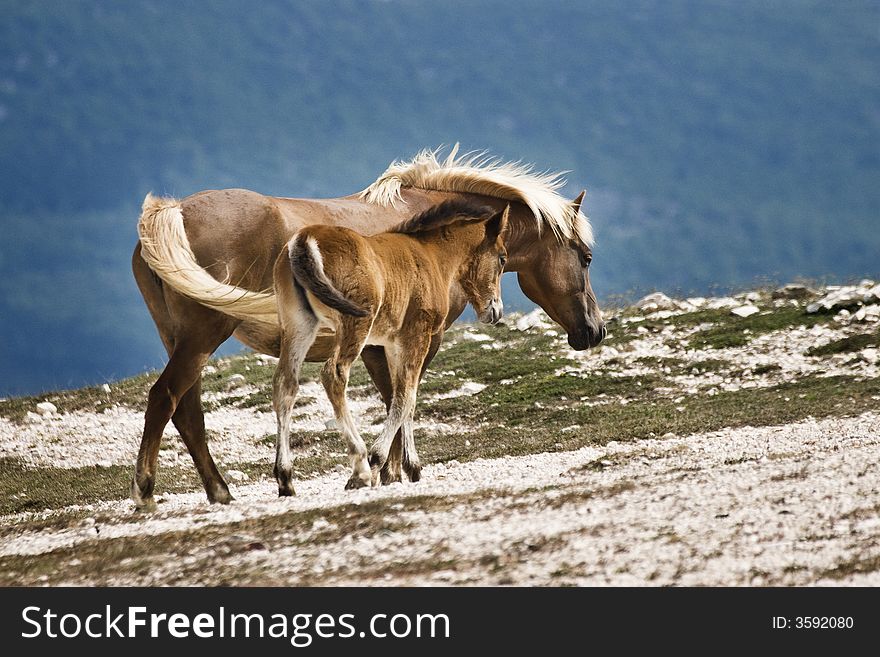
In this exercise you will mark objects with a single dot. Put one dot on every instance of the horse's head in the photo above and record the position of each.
(482, 277)
(555, 274)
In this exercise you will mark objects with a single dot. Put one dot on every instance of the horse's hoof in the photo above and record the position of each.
(143, 496)
(220, 496)
(286, 491)
(414, 472)
(355, 482)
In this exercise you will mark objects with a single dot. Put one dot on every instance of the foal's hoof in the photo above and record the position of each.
(387, 477)
(355, 482)
(286, 491)
(147, 505)
(413, 471)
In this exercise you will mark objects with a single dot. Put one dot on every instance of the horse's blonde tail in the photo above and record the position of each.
(167, 251)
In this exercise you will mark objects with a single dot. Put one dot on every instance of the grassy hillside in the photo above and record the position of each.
(511, 389)
(678, 406)
(719, 142)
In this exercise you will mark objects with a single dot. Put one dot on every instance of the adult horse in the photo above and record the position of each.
(204, 266)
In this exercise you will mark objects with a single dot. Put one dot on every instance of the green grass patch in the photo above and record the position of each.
(733, 331)
(846, 345)
(529, 429)
(524, 354)
(708, 365)
(24, 488)
(131, 392)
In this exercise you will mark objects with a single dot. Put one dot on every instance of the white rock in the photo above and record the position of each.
(722, 303)
(266, 359)
(745, 311)
(33, 418)
(467, 388)
(867, 314)
(870, 355)
(235, 381)
(319, 524)
(46, 408)
(237, 475)
(330, 424)
(753, 297)
(697, 302)
(476, 337)
(106, 388)
(847, 296)
(209, 369)
(657, 301)
(535, 319)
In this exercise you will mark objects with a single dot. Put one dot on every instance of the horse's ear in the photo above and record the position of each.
(576, 204)
(497, 223)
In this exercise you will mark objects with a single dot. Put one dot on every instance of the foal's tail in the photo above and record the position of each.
(166, 249)
(307, 266)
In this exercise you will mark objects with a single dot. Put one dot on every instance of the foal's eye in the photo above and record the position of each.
(502, 259)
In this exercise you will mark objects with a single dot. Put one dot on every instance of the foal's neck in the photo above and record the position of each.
(454, 247)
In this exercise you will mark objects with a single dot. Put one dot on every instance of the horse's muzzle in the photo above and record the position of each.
(587, 338)
(492, 312)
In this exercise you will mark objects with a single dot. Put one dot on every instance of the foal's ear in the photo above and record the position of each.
(497, 223)
(576, 204)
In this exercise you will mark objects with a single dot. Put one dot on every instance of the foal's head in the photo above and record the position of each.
(473, 236)
(481, 276)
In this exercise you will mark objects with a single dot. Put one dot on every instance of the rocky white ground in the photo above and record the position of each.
(792, 504)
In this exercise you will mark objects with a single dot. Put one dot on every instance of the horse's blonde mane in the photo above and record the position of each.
(478, 173)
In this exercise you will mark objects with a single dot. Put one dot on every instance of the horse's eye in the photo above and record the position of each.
(502, 259)
(585, 260)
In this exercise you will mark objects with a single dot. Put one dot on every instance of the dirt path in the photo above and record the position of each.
(795, 504)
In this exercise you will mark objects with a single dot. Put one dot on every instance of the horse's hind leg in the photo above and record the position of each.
(176, 394)
(189, 418)
(179, 376)
(350, 340)
(295, 343)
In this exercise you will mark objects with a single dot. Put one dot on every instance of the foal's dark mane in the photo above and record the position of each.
(442, 214)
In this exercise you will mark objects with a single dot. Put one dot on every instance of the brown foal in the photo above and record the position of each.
(392, 290)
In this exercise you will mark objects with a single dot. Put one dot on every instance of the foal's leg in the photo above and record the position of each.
(350, 340)
(401, 451)
(405, 368)
(410, 458)
(377, 367)
(295, 345)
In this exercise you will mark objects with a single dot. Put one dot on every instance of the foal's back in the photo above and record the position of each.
(391, 275)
